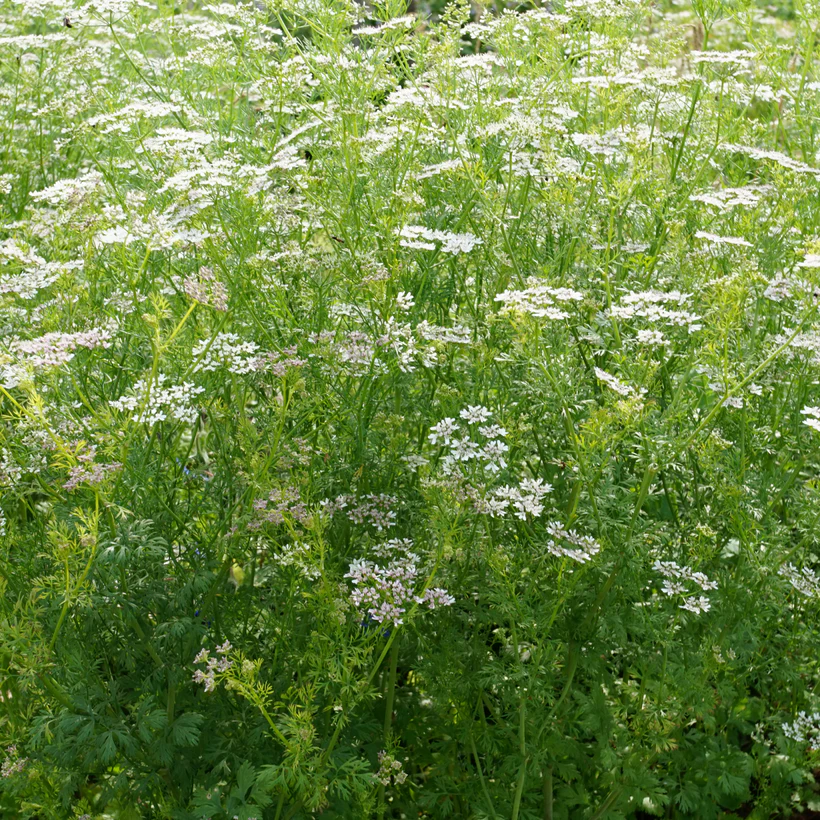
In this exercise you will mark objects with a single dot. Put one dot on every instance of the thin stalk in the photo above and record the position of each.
(391, 692)
(481, 777)
(522, 750)
(735, 390)
(388, 711)
(611, 798)
(548, 795)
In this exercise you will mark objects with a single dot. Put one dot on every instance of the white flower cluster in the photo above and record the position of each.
(30, 460)
(51, 350)
(803, 580)
(54, 349)
(621, 388)
(651, 305)
(392, 547)
(159, 230)
(524, 500)
(676, 584)
(28, 283)
(813, 419)
(12, 763)
(10, 470)
(376, 510)
(209, 178)
(385, 592)
(697, 605)
(723, 240)
(96, 13)
(206, 289)
(226, 350)
(298, 555)
(455, 334)
(780, 289)
(726, 199)
(279, 504)
(400, 338)
(159, 403)
(123, 119)
(408, 21)
(213, 666)
(88, 471)
(808, 341)
(488, 450)
(390, 768)
(440, 168)
(12, 375)
(169, 141)
(739, 57)
(652, 338)
(411, 345)
(777, 157)
(540, 301)
(12, 251)
(414, 236)
(583, 548)
(357, 349)
(604, 145)
(805, 728)
(811, 260)
(120, 235)
(601, 9)
(72, 191)
(405, 301)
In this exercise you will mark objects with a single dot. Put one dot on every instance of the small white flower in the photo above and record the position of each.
(814, 420)
(475, 414)
(812, 260)
(673, 587)
(651, 337)
(696, 605)
(616, 384)
(723, 240)
(444, 431)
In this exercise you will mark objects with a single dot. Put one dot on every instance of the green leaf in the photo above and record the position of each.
(108, 748)
(244, 779)
(185, 729)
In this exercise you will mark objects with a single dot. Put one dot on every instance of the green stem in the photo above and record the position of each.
(279, 805)
(388, 711)
(481, 777)
(391, 691)
(695, 97)
(548, 794)
(611, 798)
(522, 750)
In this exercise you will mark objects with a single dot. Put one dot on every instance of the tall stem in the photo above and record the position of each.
(522, 750)
(548, 793)
(391, 692)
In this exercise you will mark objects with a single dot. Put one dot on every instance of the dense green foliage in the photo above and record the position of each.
(408, 415)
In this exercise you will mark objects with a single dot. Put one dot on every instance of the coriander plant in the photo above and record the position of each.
(409, 412)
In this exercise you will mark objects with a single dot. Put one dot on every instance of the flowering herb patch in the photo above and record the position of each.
(409, 411)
